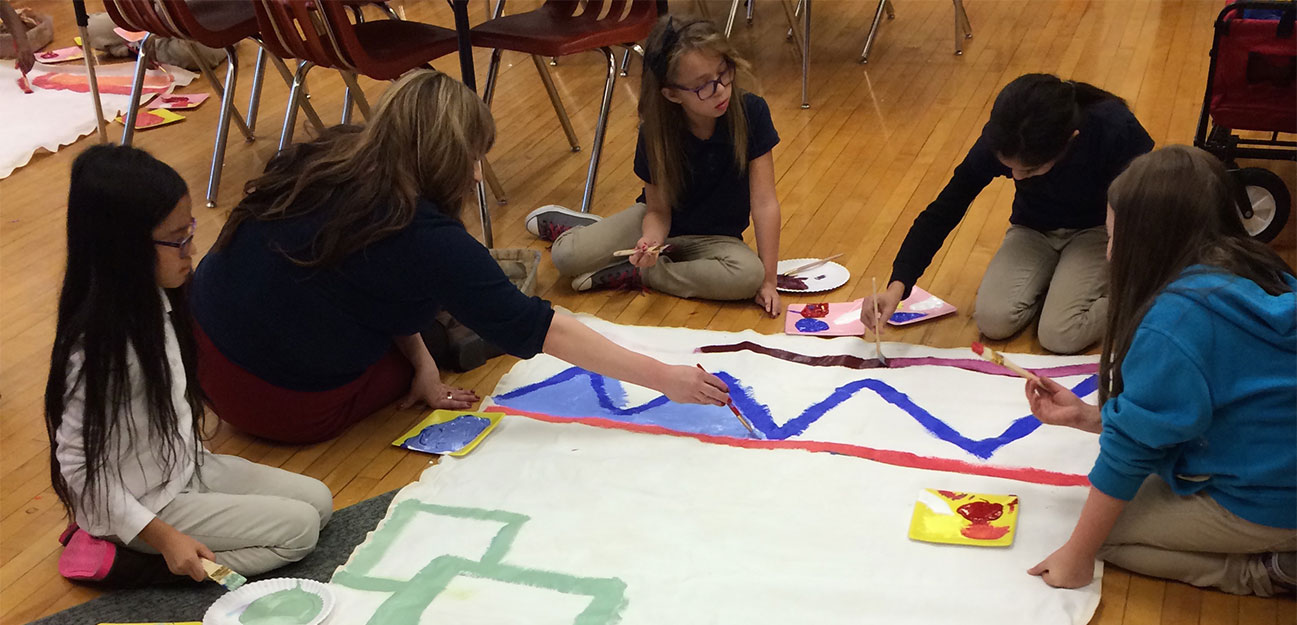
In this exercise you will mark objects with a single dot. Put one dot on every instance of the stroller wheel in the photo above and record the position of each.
(1269, 203)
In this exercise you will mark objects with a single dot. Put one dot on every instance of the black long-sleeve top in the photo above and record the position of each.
(1071, 195)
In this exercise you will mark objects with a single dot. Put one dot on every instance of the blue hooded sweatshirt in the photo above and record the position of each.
(1210, 399)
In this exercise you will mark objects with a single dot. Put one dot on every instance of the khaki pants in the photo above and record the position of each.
(1060, 274)
(253, 517)
(1193, 540)
(710, 267)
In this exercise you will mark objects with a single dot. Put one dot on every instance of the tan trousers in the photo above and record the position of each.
(1193, 540)
(1060, 274)
(253, 517)
(710, 267)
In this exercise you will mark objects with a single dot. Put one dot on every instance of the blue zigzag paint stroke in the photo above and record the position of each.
(553, 396)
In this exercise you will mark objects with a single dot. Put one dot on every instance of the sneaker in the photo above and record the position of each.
(547, 222)
(619, 276)
(1282, 567)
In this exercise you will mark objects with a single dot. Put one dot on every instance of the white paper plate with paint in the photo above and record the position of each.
(826, 277)
(281, 601)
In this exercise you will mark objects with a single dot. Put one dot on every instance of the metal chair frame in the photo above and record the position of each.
(171, 18)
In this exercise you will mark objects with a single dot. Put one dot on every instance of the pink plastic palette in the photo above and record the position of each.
(920, 306)
(825, 319)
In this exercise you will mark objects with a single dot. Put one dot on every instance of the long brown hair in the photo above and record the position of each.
(1173, 208)
(422, 141)
(663, 121)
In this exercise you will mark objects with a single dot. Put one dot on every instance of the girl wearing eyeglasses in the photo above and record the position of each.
(124, 410)
(704, 156)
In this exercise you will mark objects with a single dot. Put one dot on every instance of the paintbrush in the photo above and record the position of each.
(735, 409)
(878, 325)
(223, 575)
(23, 83)
(656, 249)
(991, 355)
(811, 265)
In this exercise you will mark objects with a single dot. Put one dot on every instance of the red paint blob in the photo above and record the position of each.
(815, 311)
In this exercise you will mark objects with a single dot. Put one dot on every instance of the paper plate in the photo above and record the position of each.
(826, 277)
(228, 609)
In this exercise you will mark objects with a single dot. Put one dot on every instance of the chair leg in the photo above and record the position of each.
(223, 125)
(729, 23)
(485, 212)
(752, 5)
(891, 10)
(962, 16)
(791, 13)
(254, 100)
(806, 53)
(601, 127)
(873, 31)
(294, 97)
(209, 73)
(492, 75)
(356, 93)
(312, 117)
(137, 89)
(493, 181)
(554, 99)
(625, 62)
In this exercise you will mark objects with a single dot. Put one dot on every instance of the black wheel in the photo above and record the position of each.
(1269, 202)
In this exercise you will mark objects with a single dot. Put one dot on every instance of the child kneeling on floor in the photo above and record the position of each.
(124, 411)
(1196, 478)
(704, 156)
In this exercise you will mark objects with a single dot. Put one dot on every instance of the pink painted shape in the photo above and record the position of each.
(885, 456)
(179, 102)
(843, 319)
(119, 85)
(70, 53)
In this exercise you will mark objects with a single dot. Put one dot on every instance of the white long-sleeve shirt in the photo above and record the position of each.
(133, 485)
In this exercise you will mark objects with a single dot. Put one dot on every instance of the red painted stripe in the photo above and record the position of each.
(885, 456)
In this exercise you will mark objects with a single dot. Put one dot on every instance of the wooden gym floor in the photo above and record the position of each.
(853, 171)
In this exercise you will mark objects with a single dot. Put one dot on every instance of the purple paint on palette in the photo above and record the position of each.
(810, 326)
(453, 435)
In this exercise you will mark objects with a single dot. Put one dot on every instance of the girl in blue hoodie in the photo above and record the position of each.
(1196, 478)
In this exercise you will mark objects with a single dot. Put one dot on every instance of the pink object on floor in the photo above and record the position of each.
(842, 319)
(86, 558)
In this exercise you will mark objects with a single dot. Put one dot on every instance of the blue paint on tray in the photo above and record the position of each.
(810, 326)
(451, 436)
(902, 317)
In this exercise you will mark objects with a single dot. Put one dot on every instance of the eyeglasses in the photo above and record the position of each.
(709, 88)
(184, 244)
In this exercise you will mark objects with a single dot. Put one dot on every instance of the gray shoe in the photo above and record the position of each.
(547, 222)
(622, 276)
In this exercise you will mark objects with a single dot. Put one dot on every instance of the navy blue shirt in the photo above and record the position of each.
(1073, 194)
(715, 198)
(315, 329)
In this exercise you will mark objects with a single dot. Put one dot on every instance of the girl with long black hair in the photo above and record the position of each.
(123, 408)
(1063, 142)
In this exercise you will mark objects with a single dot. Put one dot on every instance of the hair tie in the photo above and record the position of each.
(658, 61)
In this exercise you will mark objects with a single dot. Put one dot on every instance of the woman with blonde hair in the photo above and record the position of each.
(309, 307)
(704, 156)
